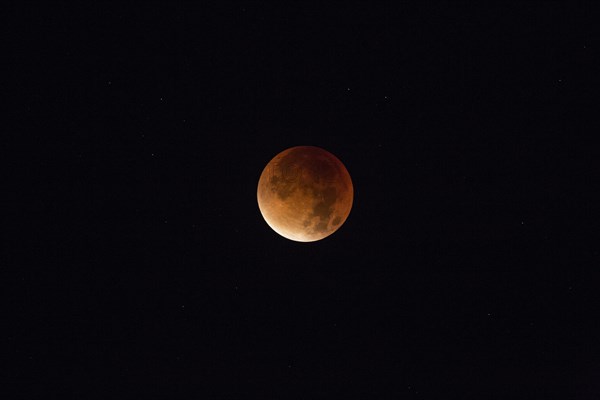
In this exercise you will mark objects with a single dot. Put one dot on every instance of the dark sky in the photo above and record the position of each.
(463, 270)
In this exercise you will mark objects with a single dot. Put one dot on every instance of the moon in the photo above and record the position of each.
(305, 193)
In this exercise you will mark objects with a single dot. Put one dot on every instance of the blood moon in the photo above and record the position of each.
(305, 193)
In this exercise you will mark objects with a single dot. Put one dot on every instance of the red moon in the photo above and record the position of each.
(305, 193)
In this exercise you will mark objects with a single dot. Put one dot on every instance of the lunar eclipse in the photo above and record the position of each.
(305, 193)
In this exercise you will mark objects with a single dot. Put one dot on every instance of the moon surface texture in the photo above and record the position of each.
(305, 193)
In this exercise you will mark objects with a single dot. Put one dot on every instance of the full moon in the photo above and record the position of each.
(305, 193)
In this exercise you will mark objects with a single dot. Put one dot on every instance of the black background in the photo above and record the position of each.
(145, 270)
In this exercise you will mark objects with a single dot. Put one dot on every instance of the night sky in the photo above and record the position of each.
(144, 269)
